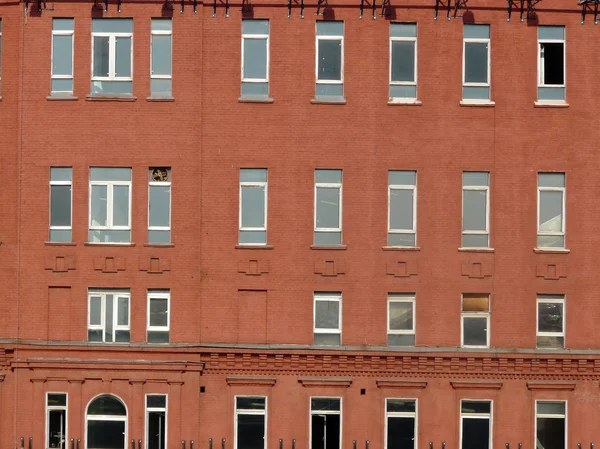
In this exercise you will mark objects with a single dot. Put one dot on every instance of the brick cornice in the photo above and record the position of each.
(251, 380)
(476, 384)
(551, 385)
(401, 383)
(344, 382)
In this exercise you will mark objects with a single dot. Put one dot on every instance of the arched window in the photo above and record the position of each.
(106, 423)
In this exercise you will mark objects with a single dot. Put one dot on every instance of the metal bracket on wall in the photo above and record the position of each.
(373, 7)
(451, 11)
(386, 7)
(527, 8)
(301, 3)
(589, 5)
(246, 6)
(215, 8)
(321, 4)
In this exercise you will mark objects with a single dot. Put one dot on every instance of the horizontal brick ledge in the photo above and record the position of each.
(476, 384)
(251, 380)
(344, 382)
(551, 385)
(401, 383)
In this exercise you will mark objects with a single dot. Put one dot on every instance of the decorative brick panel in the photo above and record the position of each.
(330, 267)
(60, 264)
(155, 265)
(109, 264)
(551, 271)
(253, 267)
(401, 268)
(477, 269)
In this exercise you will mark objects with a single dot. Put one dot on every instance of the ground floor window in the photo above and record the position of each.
(550, 423)
(56, 420)
(401, 423)
(325, 423)
(250, 422)
(106, 421)
(156, 421)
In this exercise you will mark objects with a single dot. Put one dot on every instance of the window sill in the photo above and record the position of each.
(60, 243)
(254, 247)
(61, 98)
(401, 248)
(404, 102)
(329, 247)
(476, 250)
(478, 103)
(110, 97)
(107, 244)
(255, 99)
(328, 100)
(551, 250)
(159, 245)
(550, 104)
(160, 98)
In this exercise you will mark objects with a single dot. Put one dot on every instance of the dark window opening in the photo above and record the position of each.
(401, 433)
(156, 430)
(554, 63)
(251, 432)
(475, 433)
(57, 423)
(106, 434)
(325, 432)
(551, 433)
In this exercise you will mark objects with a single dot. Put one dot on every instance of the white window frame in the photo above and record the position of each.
(64, 77)
(543, 415)
(264, 184)
(154, 294)
(60, 183)
(403, 187)
(109, 208)
(150, 185)
(485, 189)
(156, 409)
(554, 300)
(480, 315)
(414, 415)
(402, 297)
(257, 37)
(329, 297)
(541, 61)
(477, 40)
(329, 185)
(102, 326)
(325, 412)
(112, 55)
(488, 416)
(403, 83)
(107, 417)
(57, 407)
(245, 411)
(152, 34)
(329, 38)
(563, 190)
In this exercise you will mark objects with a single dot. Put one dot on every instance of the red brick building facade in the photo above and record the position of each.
(443, 297)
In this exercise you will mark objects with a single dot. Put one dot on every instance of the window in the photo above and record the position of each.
(61, 195)
(551, 63)
(106, 420)
(476, 63)
(158, 316)
(403, 62)
(475, 320)
(255, 58)
(401, 320)
(253, 206)
(551, 321)
(110, 205)
(476, 424)
(56, 420)
(62, 57)
(250, 422)
(401, 424)
(402, 208)
(328, 319)
(551, 210)
(156, 421)
(160, 64)
(159, 205)
(108, 316)
(328, 207)
(330, 61)
(112, 57)
(551, 424)
(476, 210)
(325, 423)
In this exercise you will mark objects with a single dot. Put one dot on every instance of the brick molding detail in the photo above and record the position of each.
(477, 269)
(476, 384)
(551, 385)
(551, 271)
(329, 267)
(155, 265)
(60, 264)
(251, 380)
(253, 267)
(109, 264)
(401, 268)
(343, 382)
(401, 383)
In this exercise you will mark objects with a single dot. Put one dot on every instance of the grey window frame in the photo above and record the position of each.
(563, 416)
(60, 228)
(255, 184)
(327, 297)
(152, 183)
(159, 294)
(563, 191)
(402, 298)
(256, 36)
(115, 318)
(53, 76)
(413, 187)
(253, 412)
(414, 83)
(486, 189)
(153, 76)
(551, 299)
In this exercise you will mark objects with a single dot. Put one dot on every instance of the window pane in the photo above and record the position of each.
(400, 433)
(547, 342)
(474, 178)
(401, 340)
(158, 336)
(327, 314)
(401, 209)
(330, 60)
(550, 317)
(159, 206)
(121, 205)
(108, 318)
(401, 315)
(57, 399)
(123, 57)
(161, 55)
(328, 207)
(250, 403)
(158, 311)
(95, 311)
(401, 177)
(474, 210)
(61, 173)
(401, 239)
(328, 238)
(253, 206)
(550, 408)
(156, 401)
(256, 26)
(62, 55)
(110, 174)
(551, 179)
(106, 434)
(476, 31)
(476, 62)
(330, 28)
(403, 61)
(551, 204)
(253, 175)
(161, 25)
(101, 56)
(324, 404)
(160, 86)
(156, 430)
(327, 339)
(122, 336)
(475, 407)
(95, 335)
(123, 311)
(56, 428)
(401, 405)
(328, 176)
(62, 24)
(99, 201)
(112, 25)
(60, 207)
(255, 58)
(475, 302)
(403, 30)
(550, 433)
(553, 63)
(475, 433)
(475, 331)
(106, 405)
(253, 237)
(475, 240)
(251, 431)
